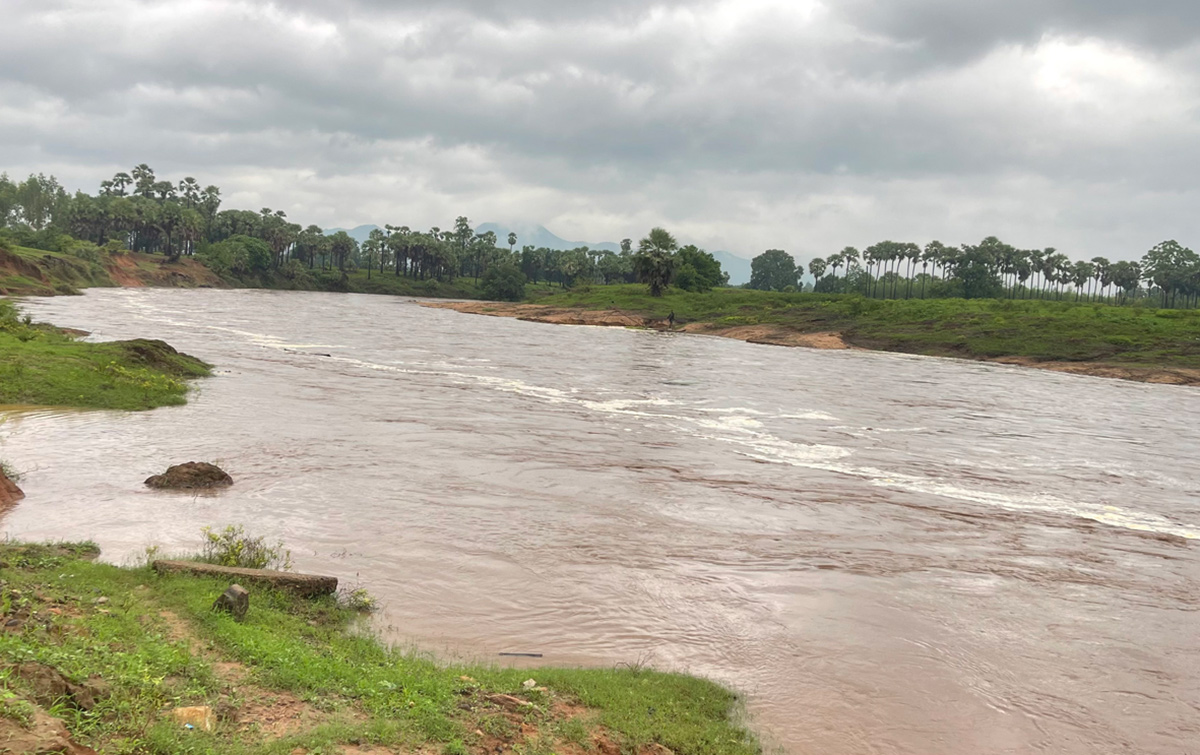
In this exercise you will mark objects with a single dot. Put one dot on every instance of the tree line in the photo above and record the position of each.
(1168, 273)
(139, 210)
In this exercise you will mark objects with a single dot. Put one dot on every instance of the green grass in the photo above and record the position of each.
(41, 365)
(977, 328)
(36, 272)
(366, 692)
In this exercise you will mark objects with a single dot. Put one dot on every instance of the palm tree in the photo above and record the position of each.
(1101, 266)
(143, 180)
(834, 261)
(849, 258)
(931, 253)
(912, 253)
(512, 242)
(817, 268)
(189, 189)
(655, 261)
(121, 182)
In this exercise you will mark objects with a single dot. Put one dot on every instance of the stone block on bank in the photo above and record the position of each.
(235, 600)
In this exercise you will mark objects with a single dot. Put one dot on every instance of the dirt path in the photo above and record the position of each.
(780, 336)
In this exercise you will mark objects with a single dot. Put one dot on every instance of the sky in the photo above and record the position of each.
(741, 125)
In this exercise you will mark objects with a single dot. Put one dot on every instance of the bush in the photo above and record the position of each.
(503, 282)
(357, 599)
(237, 254)
(231, 546)
(84, 250)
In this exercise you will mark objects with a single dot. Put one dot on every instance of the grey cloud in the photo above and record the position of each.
(586, 112)
(950, 31)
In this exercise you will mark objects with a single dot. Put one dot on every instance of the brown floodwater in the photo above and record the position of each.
(885, 554)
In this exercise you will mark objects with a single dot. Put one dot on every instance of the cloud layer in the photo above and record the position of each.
(741, 125)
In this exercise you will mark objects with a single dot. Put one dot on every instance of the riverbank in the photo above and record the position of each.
(1130, 343)
(34, 272)
(41, 365)
(105, 655)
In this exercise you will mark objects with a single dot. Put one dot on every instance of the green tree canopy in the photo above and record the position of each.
(773, 270)
(654, 262)
(503, 282)
(697, 270)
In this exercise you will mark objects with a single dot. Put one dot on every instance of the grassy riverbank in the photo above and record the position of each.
(45, 366)
(297, 677)
(981, 329)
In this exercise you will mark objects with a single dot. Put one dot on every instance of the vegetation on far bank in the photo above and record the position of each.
(42, 365)
(978, 328)
(303, 675)
(142, 212)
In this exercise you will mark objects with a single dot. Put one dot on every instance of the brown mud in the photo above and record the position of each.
(9, 492)
(777, 335)
(48, 274)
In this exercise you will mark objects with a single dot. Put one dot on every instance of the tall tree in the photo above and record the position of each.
(655, 260)
(773, 270)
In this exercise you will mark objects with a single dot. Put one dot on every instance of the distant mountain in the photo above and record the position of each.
(359, 233)
(737, 267)
(539, 236)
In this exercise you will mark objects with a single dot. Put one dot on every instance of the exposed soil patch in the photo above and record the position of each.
(42, 734)
(541, 313)
(1160, 375)
(771, 335)
(270, 713)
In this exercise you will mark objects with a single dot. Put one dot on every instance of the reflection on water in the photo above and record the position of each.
(887, 554)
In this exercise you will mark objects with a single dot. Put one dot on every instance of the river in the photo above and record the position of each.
(884, 553)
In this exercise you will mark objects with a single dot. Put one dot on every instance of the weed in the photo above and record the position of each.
(231, 546)
(358, 599)
(15, 707)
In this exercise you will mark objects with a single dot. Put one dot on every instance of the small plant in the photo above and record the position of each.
(231, 546)
(16, 708)
(357, 598)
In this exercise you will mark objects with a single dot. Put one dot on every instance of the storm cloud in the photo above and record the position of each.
(738, 125)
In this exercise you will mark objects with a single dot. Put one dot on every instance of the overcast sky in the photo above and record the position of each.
(739, 125)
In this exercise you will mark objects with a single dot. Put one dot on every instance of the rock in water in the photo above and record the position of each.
(9, 492)
(194, 475)
(235, 600)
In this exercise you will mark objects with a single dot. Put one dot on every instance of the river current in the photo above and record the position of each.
(884, 553)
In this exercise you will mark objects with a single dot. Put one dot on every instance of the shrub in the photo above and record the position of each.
(84, 250)
(231, 546)
(357, 599)
(504, 282)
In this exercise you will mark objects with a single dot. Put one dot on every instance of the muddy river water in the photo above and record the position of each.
(885, 554)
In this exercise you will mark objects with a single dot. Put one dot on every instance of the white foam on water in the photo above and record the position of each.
(810, 415)
(739, 428)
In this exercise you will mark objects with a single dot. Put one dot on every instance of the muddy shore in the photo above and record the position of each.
(780, 336)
